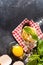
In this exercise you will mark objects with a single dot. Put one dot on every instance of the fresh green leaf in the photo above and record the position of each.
(34, 36)
(40, 47)
(29, 30)
(33, 60)
(40, 64)
(41, 60)
(34, 57)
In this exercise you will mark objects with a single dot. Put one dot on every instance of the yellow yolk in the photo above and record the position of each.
(17, 50)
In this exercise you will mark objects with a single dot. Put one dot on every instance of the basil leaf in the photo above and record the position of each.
(34, 57)
(41, 60)
(40, 47)
(39, 64)
(34, 36)
(33, 60)
(29, 30)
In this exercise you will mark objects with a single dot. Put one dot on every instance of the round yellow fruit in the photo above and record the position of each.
(17, 50)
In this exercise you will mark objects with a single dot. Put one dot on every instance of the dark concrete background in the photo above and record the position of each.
(12, 12)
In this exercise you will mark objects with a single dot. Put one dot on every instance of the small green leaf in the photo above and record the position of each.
(40, 47)
(41, 60)
(34, 36)
(34, 57)
(39, 64)
(33, 60)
